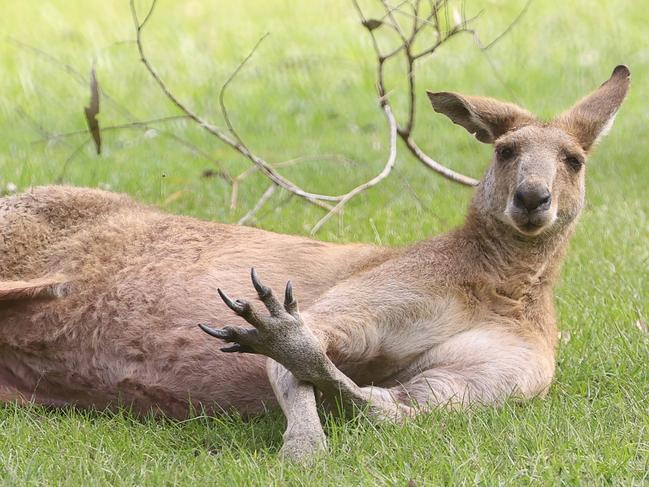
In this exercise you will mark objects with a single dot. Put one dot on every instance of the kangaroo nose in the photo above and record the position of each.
(531, 199)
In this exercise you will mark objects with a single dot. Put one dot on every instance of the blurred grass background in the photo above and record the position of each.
(309, 90)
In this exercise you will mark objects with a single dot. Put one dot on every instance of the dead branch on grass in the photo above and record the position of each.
(418, 25)
(264, 167)
(237, 143)
(422, 22)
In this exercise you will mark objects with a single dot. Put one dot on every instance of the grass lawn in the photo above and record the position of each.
(310, 90)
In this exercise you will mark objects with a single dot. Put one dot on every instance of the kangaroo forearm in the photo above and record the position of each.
(312, 365)
(336, 386)
(295, 393)
(328, 379)
(318, 370)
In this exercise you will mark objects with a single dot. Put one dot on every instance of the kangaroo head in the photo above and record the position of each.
(535, 183)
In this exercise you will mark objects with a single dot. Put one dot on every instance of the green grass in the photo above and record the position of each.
(309, 90)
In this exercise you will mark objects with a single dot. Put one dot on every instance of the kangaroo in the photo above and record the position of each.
(100, 296)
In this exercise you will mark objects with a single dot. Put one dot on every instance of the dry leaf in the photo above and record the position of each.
(92, 111)
(371, 24)
(642, 326)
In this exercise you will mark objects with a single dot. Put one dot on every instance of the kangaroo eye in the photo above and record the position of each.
(505, 152)
(574, 163)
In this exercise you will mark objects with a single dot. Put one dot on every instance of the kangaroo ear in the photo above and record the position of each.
(486, 118)
(592, 117)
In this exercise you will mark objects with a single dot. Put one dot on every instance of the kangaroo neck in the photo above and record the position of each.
(517, 261)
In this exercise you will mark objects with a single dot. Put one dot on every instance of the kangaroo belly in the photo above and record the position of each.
(125, 333)
(121, 342)
(141, 365)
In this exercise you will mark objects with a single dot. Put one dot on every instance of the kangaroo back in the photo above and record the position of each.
(33, 221)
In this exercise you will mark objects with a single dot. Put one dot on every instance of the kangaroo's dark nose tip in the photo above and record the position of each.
(532, 199)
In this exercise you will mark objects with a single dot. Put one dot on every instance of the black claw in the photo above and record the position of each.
(236, 306)
(214, 332)
(226, 299)
(289, 300)
(262, 290)
(288, 294)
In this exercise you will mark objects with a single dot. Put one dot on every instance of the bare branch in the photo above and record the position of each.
(437, 167)
(70, 158)
(39, 128)
(268, 169)
(316, 199)
(317, 157)
(225, 85)
(137, 124)
(234, 194)
(418, 24)
(259, 205)
(290, 162)
(390, 15)
(148, 14)
(71, 71)
(509, 27)
(389, 164)
(407, 34)
(144, 125)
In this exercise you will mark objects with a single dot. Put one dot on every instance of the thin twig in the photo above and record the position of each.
(509, 27)
(389, 164)
(290, 162)
(71, 71)
(317, 157)
(234, 194)
(224, 87)
(259, 205)
(136, 124)
(418, 25)
(437, 167)
(275, 207)
(433, 20)
(39, 128)
(231, 138)
(70, 158)
(46, 136)
(266, 168)
(145, 125)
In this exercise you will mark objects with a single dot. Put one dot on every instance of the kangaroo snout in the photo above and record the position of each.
(530, 207)
(532, 197)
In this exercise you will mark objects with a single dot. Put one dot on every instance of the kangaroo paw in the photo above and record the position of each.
(280, 335)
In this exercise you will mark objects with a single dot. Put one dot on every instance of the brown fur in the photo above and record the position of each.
(100, 296)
